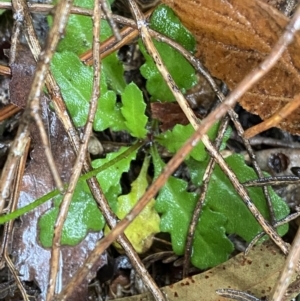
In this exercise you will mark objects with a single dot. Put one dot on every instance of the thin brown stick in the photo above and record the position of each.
(8, 111)
(273, 181)
(288, 270)
(195, 123)
(64, 207)
(283, 221)
(9, 226)
(284, 112)
(4, 70)
(127, 34)
(48, 8)
(197, 210)
(111, 21)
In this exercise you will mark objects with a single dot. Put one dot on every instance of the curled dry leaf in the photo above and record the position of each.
(233, 37)
(31, 259)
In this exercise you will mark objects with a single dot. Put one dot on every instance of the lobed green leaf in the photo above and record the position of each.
(83, 216)
(211, 245)
(75, 81)
(223, 212)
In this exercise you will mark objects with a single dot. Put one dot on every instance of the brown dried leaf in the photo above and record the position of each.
(257, 273)
(31, 259)
(233, 37)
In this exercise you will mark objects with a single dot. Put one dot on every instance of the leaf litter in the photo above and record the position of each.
(132, 132)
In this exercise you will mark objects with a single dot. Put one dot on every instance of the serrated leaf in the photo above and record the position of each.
(133, 110)
(83, 216)
(174, 139)
(211, 245)
(109, 179)
(164, 20)
(222, 197)
(141, 231)
(75, 81)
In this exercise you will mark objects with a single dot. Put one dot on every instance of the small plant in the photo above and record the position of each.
(122, 108)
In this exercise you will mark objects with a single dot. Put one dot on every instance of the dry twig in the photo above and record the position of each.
(8, 227)
(197, 210)
(64, 207)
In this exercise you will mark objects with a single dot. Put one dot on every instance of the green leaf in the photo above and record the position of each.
(114, 71)
(83, 216)
(223, 211)
(79, 37)
(141, 231)
(110, 178)
(133, 111)
(112, 66)
(174, 139)
(211, 245)
(166, 22)
(75, 81)
(223, 198)
(109, 114)
(79, 31)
